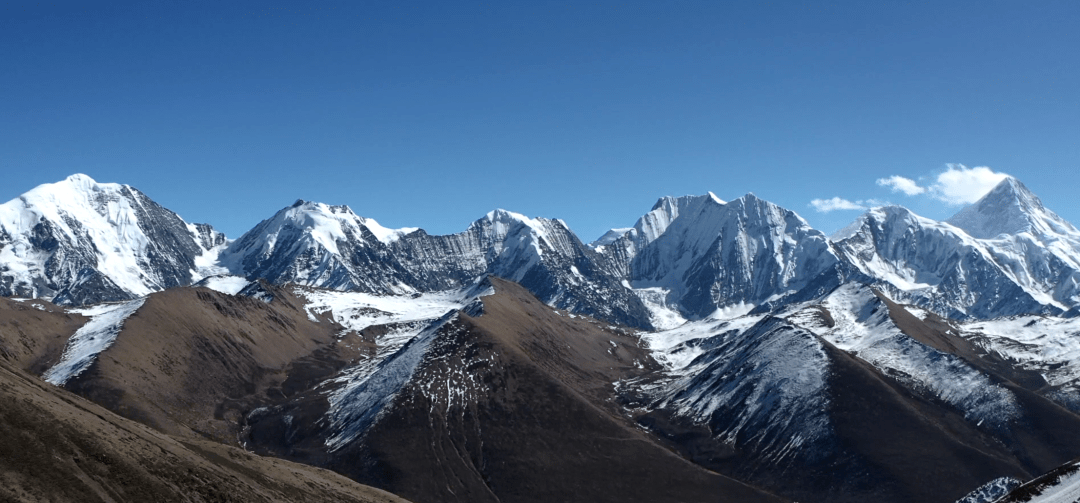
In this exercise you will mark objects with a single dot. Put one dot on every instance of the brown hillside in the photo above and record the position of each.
(193, 361)
(33, 333)
(55, 446)
(516, 405)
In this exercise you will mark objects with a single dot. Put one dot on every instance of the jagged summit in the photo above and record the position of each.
(1010, 209)
(698, 254)
(317, 244)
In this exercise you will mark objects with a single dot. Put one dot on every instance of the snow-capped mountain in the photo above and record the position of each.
(320, 245)
(1005, 255)
(325, 337)
(543, 255)
(331, 247)
(620, 246)
(78, 242)
(705, 254)
(1034, 244)
(1010, 209)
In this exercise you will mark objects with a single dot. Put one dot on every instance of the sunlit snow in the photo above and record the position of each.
(96, 336)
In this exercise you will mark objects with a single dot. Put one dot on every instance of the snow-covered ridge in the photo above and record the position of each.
(231, 285)
(1061, 485)
(357, 310)
(991, 491)
(758, 382)
(1044, 344)
(862, 325)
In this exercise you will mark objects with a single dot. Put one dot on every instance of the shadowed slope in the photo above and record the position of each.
(55, 446)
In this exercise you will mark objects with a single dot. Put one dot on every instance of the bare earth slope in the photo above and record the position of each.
(55, 446)
(190, 361)
(33, 333)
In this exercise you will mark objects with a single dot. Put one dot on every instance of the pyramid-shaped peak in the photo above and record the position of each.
(1008, 209)
(1010, 190)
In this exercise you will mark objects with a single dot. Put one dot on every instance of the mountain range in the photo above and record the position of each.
(714, 351)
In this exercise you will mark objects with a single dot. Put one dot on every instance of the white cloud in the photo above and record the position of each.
(957, 185)
(962, 185)
(836, 203)
(901, 184)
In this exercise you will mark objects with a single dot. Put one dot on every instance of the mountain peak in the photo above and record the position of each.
(501, 215)
(80, 178)
(1009, 208)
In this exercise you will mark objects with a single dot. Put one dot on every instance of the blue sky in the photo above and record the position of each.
(431, 114)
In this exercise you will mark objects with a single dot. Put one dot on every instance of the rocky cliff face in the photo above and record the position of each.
(706, 254)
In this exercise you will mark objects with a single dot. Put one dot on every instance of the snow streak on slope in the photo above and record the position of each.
(677, 348)
(1061, 485)
(96, 336)
(862, 325)
(758, 383)
(365, 393)
(360, 393)
(1047, 345)
(990, 491)
(661, 315)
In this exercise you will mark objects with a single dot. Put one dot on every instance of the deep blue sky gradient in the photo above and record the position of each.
(431, 114)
